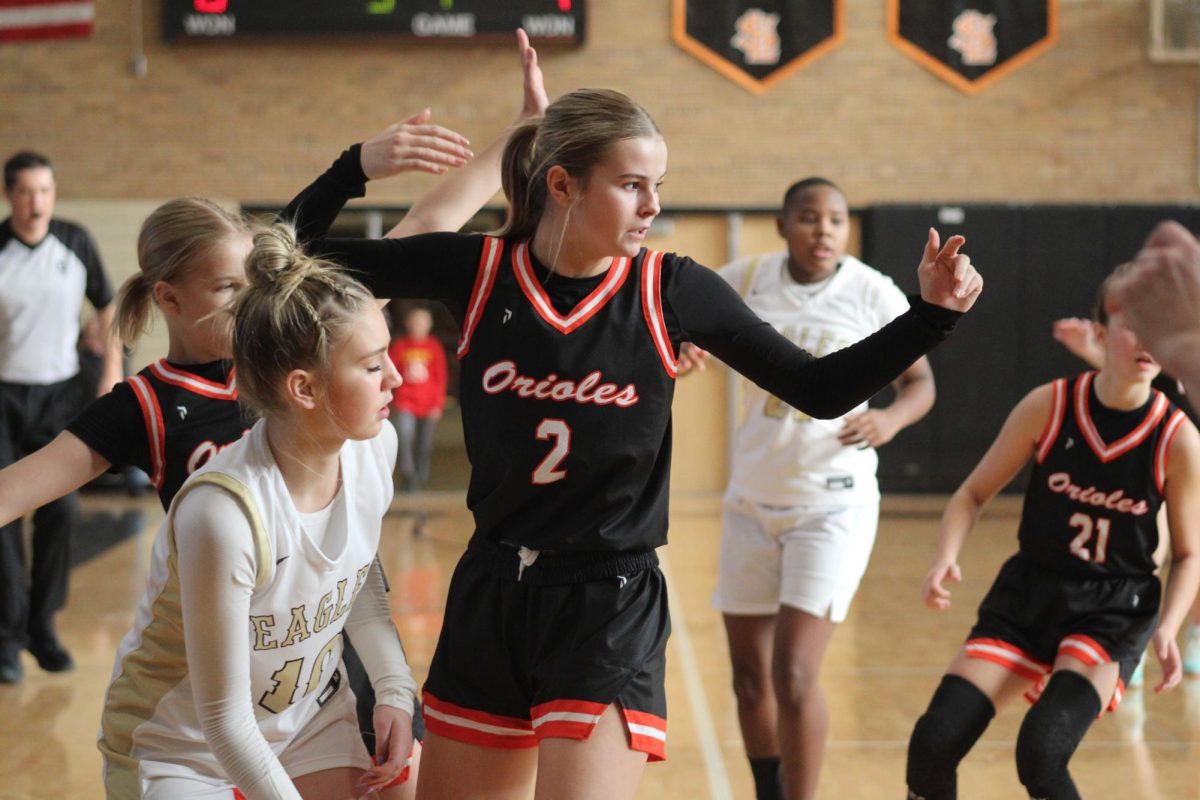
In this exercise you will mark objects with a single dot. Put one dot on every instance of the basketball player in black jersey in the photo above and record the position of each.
(1069, 616)
(552, 651)
(1078, 336)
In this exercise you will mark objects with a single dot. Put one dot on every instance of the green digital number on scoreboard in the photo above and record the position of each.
(544, 20)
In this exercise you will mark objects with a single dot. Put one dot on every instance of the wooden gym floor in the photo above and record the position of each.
(881, 669)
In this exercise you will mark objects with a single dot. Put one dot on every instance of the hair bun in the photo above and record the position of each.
(275, 256)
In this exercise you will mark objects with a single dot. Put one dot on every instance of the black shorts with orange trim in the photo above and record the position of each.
(540, 652)
(1032, 614)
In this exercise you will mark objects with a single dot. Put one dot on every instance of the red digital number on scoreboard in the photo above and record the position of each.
(211, 6)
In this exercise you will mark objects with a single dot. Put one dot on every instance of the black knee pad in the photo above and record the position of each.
(957, 716)
(1052, 730)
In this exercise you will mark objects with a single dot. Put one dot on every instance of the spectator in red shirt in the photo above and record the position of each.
(417, 403)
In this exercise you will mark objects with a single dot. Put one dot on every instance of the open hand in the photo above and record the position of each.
(414, 146)
(533, 100)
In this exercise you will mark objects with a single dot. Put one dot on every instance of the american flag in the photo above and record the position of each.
(45, 19)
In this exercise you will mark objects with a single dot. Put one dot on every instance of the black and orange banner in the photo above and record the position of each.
(972, 43)
(757, 43)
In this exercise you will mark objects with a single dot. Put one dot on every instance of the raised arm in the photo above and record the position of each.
(1182, 492)
(453, 201)
(413, 145)
(1013, 447)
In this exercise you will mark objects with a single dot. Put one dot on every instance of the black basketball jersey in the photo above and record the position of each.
(567, 413)
(1097, 483)
(168, 420)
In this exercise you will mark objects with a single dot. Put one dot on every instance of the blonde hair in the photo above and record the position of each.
(575, 134)
(172, 238)
(295, 310)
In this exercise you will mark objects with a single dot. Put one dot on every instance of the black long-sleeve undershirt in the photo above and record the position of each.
(698, 307)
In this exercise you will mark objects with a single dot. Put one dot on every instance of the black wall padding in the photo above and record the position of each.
(1039, 263)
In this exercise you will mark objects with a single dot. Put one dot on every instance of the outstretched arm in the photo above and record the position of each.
(57, 469)
(1014, 446)
(712, 315)
(453, 201)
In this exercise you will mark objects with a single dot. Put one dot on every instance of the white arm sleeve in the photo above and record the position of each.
(216, 580)
(370, 627)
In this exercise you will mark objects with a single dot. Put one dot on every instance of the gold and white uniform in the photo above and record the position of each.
(801, 510)
(230, 675)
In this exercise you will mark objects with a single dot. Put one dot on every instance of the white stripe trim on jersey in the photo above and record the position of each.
(533, 290)
(1163, 456)
(1131, 440)
(566, 716)
(193, 383)
(652, 305)
(647, 730)
(41, 15)
(463, 722)
(154, 430)
(1054, 424)
(493, 248)
(1008, 655)
(1084, 646)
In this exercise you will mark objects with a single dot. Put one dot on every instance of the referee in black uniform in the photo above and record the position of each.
(47, 267)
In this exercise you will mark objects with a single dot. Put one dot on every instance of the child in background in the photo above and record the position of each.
(417, 403)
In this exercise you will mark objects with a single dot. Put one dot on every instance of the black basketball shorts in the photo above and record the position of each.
(1032, 614)
(541, 651)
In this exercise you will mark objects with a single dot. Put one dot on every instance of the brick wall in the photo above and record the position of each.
(1090, 120)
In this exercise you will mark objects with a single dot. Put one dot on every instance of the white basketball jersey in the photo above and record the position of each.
(782, 456)
(297, 611)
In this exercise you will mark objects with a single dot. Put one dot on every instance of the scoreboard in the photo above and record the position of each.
(544, 20)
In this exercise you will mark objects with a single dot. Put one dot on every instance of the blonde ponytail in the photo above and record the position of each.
(171, 239)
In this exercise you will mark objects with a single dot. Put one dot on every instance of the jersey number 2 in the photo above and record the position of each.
(560, 432)
(1085, 525)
